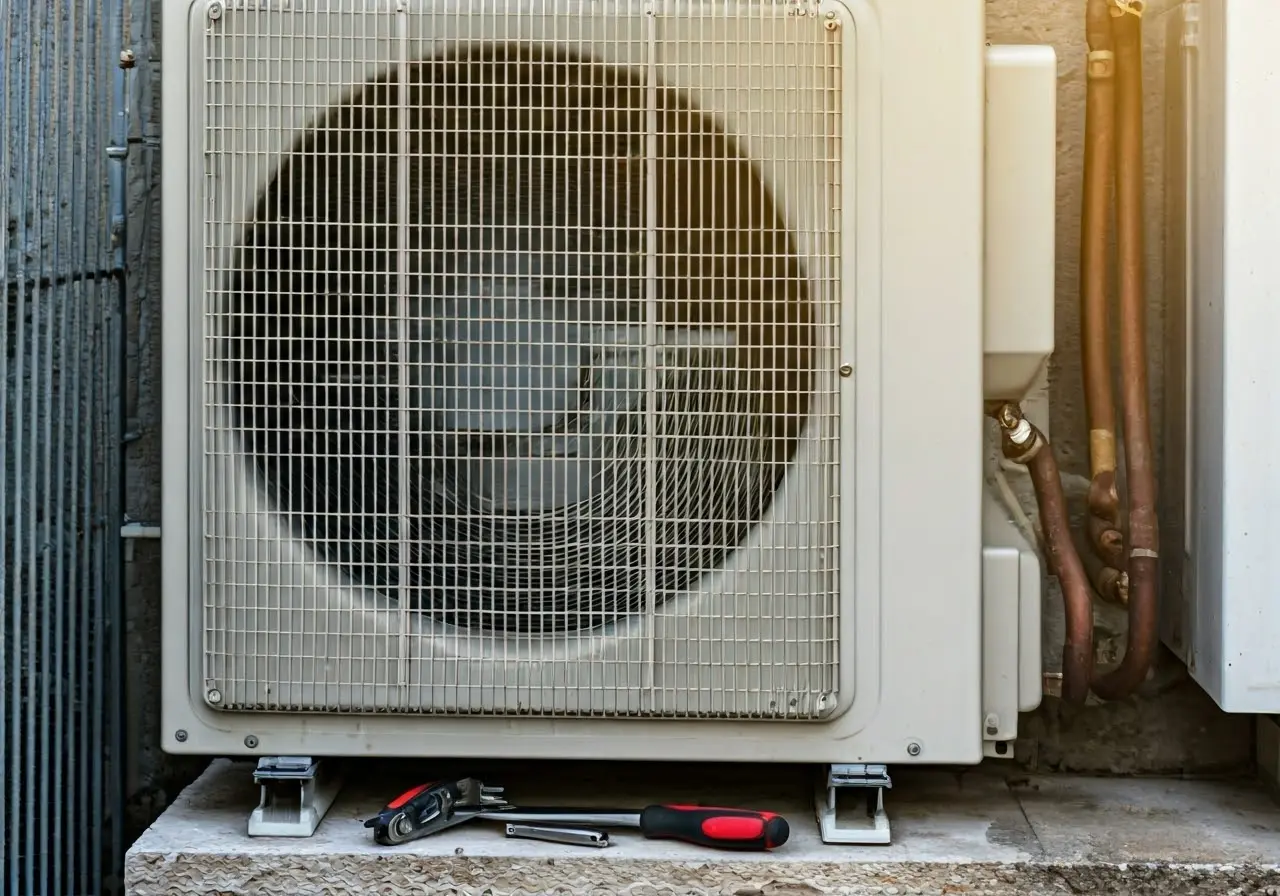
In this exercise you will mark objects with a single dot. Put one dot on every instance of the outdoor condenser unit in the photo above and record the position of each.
(599, 379)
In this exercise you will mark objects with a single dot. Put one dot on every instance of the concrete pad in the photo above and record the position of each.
(1141, 820)
(955, 832)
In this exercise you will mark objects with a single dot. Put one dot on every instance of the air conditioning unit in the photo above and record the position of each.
(1223, 193)
(593, 378)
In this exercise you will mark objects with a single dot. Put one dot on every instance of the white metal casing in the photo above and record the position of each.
(911, 601)
(1222, 277)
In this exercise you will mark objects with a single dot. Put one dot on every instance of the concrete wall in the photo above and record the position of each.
(1170, 727)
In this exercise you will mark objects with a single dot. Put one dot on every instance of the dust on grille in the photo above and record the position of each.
(529, 350)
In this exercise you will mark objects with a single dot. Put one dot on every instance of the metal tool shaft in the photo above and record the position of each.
(611, 818)
(570, 836)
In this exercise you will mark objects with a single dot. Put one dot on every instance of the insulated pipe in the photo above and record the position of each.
(1143, 535)
(1105, 538)
(1023, 443)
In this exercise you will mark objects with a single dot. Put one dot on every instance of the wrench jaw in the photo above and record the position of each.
(397, 829)
(435, 809)
(483, 796)
(391, 827)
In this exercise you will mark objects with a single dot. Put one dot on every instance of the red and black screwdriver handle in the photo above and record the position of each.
(745, 829)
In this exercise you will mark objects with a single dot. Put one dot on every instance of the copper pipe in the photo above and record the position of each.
(1023, 443)
(1143, 536)
(1105, 539)
(1109, 583)
(1104, 559)
(1095, 225)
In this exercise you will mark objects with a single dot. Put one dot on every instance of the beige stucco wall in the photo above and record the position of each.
(1171, 725)
(1060, 23)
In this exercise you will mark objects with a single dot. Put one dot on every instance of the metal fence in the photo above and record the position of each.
(62, 121)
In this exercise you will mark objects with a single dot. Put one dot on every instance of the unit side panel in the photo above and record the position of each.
(1228, 619)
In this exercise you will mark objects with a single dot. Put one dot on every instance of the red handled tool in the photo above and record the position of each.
(707, 826)
(433, 807)
(746, 829)
(430, 808)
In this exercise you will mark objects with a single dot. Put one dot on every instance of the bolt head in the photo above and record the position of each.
(214, 696)
(846, 370)
(251, 741)
(180, 735)
(913, 749)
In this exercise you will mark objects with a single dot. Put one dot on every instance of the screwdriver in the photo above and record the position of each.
(745, 829)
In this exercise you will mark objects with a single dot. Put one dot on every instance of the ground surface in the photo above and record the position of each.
(972, 832)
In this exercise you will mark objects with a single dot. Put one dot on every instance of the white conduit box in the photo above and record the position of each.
(1021, 208)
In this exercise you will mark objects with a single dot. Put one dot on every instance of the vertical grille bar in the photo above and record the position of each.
(404, 336)
(111, 420)
(651, 342)
(61, 822)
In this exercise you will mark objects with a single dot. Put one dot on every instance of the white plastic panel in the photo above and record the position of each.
(1228, 624)
(1011, 661)
(1021, 208)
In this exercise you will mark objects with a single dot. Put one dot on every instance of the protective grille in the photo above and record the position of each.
(519, 350)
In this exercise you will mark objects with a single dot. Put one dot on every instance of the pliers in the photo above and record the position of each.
(431, 808)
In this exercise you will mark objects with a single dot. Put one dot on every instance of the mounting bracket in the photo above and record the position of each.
(864, 823)
(295, 793)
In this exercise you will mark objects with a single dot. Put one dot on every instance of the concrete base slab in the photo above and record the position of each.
(974, 831)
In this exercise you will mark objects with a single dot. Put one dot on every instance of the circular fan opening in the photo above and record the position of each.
(555, 474)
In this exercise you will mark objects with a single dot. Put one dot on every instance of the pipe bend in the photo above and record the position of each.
(1022, 442)
(1143, 542)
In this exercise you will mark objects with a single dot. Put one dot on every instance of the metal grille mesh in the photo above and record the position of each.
(518, 383)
